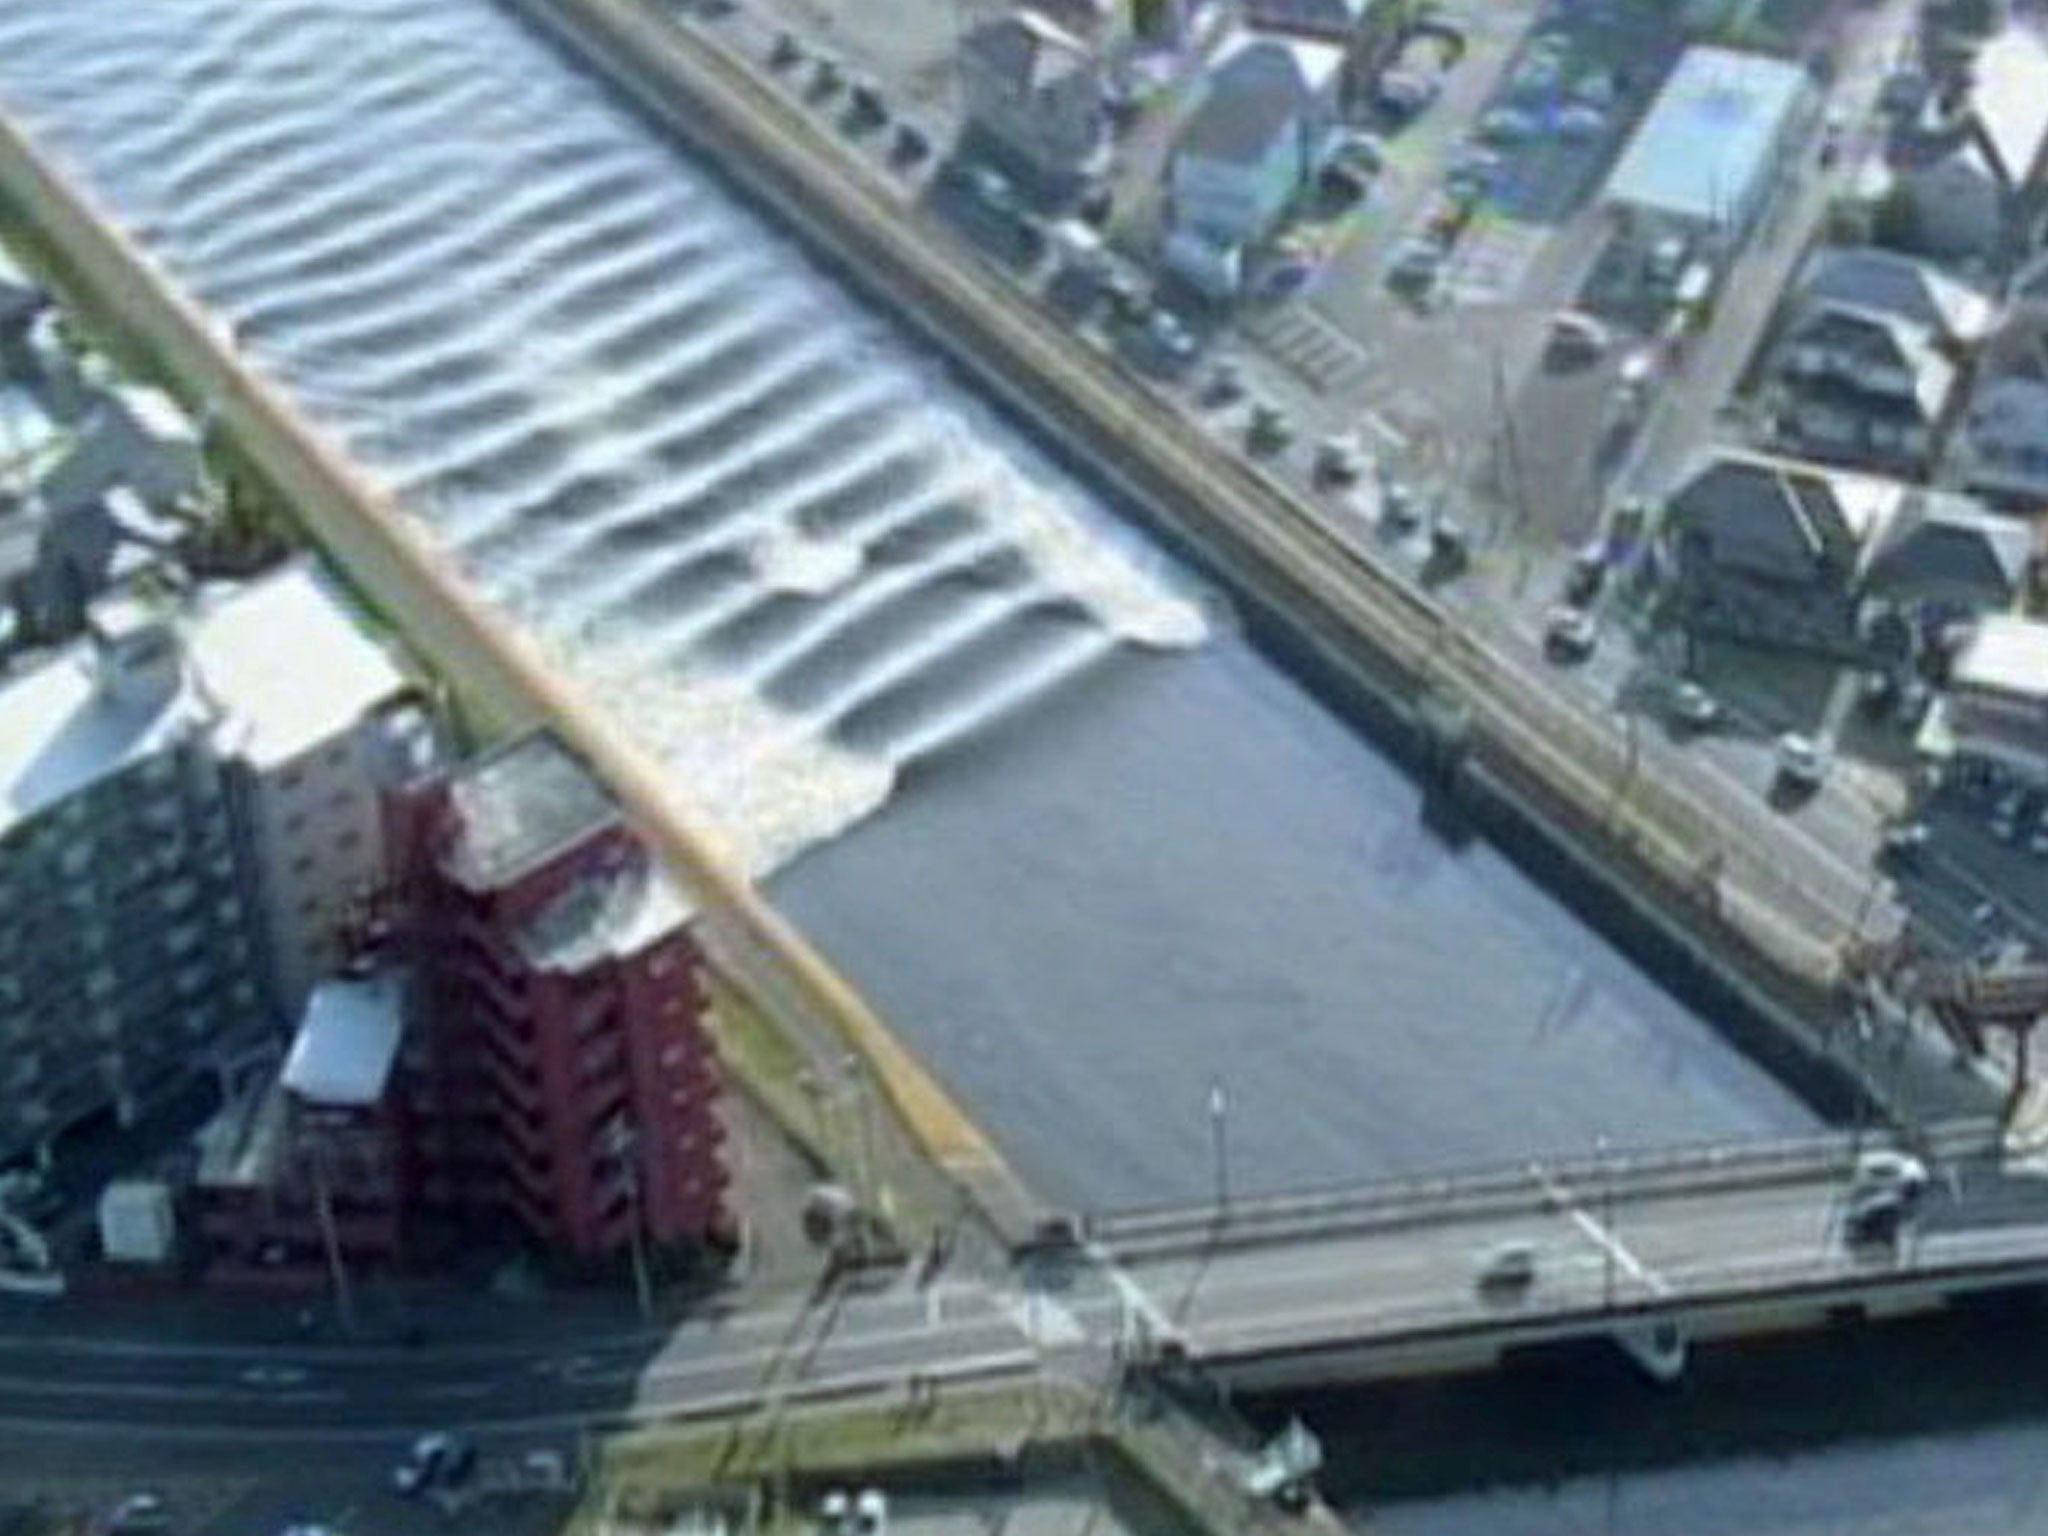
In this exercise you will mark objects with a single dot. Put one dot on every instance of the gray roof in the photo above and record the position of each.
(1886, 282)
(1736, 489)
(1944, 538)
(1028, 49)
(1257, 94)
(1881, 341)
(521, 804)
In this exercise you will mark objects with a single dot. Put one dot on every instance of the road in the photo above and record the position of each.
(268, 1398)
(1598, 1238)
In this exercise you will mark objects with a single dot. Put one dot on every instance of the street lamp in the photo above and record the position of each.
(1606, 1222)
(1219, 1136)
(621, 1142)
(330, 1237)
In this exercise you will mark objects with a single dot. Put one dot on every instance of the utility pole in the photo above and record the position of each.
(1517, 486)
(330, 1237)
(864, 1146)
(1219, 1134)
(622, 1142)
(1606, 1222)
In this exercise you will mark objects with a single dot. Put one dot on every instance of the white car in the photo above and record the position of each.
(1569, 634)
(1581, 122)
(140, 1514)
(1507, 125)
(1801, 760)
(1884, 1168)
(1508, 1268)
(1692, 706)
(1579, 335)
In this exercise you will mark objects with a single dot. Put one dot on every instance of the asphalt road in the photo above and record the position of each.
(266, 1399)
(1590, 1245)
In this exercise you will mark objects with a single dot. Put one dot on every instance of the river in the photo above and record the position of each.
(1018, 773)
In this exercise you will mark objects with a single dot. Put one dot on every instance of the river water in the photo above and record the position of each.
(1935, 1427)
(1018, 774)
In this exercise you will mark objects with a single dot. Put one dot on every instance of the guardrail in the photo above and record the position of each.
(1663, 1173)
(1992, 1259)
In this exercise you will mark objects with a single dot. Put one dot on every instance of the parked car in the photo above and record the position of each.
(1416, 266)
(1588, 574)
(1905, 842)
(1344, 184)
(1666, 260)
(1575, 338)
(1508, 125)
(1449, 548)
(1580, 122)
(437, 1458)
(1876, 690)
(1694, 708)
(1476, 165)
(1336, 462)
(139, 1514)
(1570, 634)
(1801, 760)
(1357, 150)
(1404, 93)
(1596, 88)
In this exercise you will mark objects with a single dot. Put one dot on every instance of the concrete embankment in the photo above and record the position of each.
(1646, 851)
(494, 672)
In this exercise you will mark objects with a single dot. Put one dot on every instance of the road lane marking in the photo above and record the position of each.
(1600, 1234)
(1018, 1362)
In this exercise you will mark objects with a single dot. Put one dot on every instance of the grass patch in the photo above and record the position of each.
(644, 1479)
(772, 1068)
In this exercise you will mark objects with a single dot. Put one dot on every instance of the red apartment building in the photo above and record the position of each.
(558, 1069)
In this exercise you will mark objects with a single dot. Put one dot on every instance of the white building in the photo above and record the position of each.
(1996, 707)
(187, 809)
(318, 720)
(1252, 144)
(1705, 156)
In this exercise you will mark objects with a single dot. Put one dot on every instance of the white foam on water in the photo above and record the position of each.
(783, 548)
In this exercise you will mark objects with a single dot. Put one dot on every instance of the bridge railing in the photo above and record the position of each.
(1826, 1274)
(1459, 1195)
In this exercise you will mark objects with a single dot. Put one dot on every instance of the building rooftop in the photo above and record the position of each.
(1028, 49)
(520, 804)
(290, 665)
(347, 1041)
(1943, 536)
(2009, 98)
(1870, 279)
(1257, 91)
(62, 731)
(265, 670)
(1824, 510)
(2005, 654)
(608, 915)
(1711, 137)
